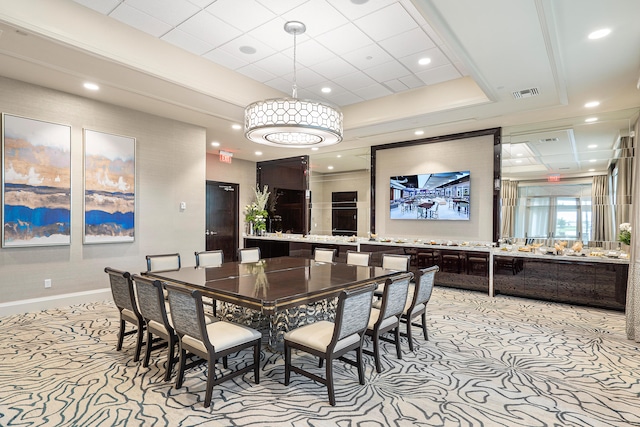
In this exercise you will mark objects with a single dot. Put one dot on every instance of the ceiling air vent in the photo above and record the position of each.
(543, 140)
(526, 93)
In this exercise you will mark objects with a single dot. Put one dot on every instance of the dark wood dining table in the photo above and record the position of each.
(277, 288)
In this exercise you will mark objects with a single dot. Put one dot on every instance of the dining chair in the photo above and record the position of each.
(163, 262)
(125, 300)
(358, 258)
(387, 317)
(332, 340)
(209, 258)
(209, 342)
(396, 262)
(324, 255)
(417, 299)
(246, 255)
(153, 309)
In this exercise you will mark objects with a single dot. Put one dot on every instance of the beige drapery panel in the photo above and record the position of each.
(508, 201)
(601, 209)
(623, 200)
(632, 311)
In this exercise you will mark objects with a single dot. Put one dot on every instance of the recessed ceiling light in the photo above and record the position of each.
(215, 144)
(339, 155)
(591, 120)
(326, 90)
(419, 132)
(592, 104)
(592, 161)
(329, 167)
(518, 161)
(314, 148)
(592, 146)
(519, 154)
(236, 126)
(258, 153)
(249, 50)
(424, 61)
(598, 34)
(91, 86)
(592, 170)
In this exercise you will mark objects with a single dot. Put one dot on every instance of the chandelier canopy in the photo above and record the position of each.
(293, 122)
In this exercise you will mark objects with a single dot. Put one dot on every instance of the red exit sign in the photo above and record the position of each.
(553, 178)
(225, 156)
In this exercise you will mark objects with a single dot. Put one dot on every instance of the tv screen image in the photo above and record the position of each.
(430, 196)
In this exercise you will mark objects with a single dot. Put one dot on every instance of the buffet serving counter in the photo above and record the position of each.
(595, 278)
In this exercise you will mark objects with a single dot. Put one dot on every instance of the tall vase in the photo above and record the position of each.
(252, 231)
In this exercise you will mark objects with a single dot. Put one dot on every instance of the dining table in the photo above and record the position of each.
(275, 294)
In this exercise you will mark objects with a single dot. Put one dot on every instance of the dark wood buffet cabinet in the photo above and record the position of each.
(600, 283)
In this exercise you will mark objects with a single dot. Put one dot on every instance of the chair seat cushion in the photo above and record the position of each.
(129, 315)
(318, 336)
(373, 318)
(223, 335)
(417, 309)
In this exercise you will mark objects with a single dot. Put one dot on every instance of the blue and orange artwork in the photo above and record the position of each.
(109, 190)
(37, 183)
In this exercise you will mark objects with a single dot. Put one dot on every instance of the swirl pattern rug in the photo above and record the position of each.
(489, 362)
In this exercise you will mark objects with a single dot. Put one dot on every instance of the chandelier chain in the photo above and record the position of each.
(295, 85)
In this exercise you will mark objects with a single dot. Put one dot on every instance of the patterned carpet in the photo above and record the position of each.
(489, 362)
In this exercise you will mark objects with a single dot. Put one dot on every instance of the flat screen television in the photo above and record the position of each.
(430, 196)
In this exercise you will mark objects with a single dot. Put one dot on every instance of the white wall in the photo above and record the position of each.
(472, 154)
(170, 168)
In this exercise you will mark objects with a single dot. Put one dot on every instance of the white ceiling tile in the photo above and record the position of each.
(462, 69)
(310, 52)
(415, 14)
(415, 40)
(433, 35)
(367, 57)
(209, 28)
(436, 56)
(344, 39)
(308, 77)
(355, 81)
(140, 20)
(201, 3)
(334, 67)
(187, 42)
(253, 14)
(281, 84)
(347, 98)
(278, 64)
(372, 92)
(387, 22)
(273, 34)
(104, 6)
(234, 47)
(396, 85)
(411, 81)
(388, 71)
(173, 12)
(256, 73)
(223, 58)
(318, 16)
(281, 6)
(352, 10)
(439, 75)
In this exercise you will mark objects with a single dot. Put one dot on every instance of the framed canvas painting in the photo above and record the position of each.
(36, 182)
(109, 188)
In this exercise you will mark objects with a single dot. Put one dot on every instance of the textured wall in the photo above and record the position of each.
(170, 168)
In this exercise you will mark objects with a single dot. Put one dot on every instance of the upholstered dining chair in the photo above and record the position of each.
(387, 317)
(324, 255)
(209, 342)
(332, 340)
(153, 310)
(246, 255)
(163, 262)
(396, 262)
(209, 258)
(358, 258)
(417, 299)
(125, 300)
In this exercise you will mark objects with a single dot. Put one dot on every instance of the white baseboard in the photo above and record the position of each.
(56, 301)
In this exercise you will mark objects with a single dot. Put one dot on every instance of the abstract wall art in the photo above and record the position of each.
(109, 188)
(36, 182)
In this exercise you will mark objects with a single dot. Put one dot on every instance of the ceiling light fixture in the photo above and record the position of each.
(91, 86)
(215, 144)
(424, 61)
(592, 104)
(293, 122)
(599, 34)
(591, 120)
(236, 126)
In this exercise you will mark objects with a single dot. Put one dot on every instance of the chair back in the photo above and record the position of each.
(209, 258)
(358, 258)
(395, 262)
(187, 312)
(163, 262)
(248, 255)
(151, 299)
(424, 286)
(324, 255)
(122, 290)
(394, 296)
(352, 314)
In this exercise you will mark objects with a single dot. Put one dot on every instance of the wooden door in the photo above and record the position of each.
(222, 218)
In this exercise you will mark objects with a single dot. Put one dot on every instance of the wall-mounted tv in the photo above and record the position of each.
(430, 196)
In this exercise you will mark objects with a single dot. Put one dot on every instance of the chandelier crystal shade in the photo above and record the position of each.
(293, 122)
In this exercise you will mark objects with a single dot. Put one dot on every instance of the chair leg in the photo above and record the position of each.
(329, 380)
(225, 362)
(256, 362)
(409, 336)
(376, 352)
(360, 365)
(120, 335)
(139, 343)
(171, 360)
(424, 326)
(181, 367)
(147, 351)
(287, 363)
(211, 376)
(396, 332)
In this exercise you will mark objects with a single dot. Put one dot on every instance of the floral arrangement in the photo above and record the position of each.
(255, 213)
(625, 233)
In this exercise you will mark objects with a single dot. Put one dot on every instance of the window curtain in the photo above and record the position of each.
(624, 183)
(508, 201)
(633, 283)
(601, 209)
